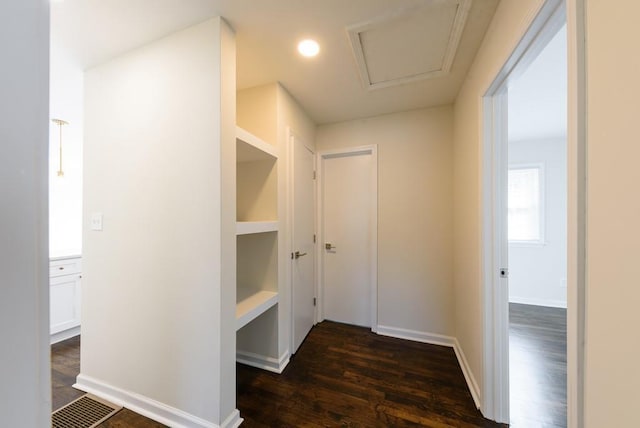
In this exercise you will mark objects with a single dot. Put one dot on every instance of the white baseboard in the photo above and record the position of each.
(65, 334)
(538, 302)
(233, 421)
(148, 407)
(275, 365)
(416, 336)
(442, 340)
(468, 374)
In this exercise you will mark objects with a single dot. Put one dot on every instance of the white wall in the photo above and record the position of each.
(65, 193)
(538, 273)
(507, 27)
(292, 115)
(159, 280)
(257, 111)
(414, 213)
(538, 97)
(25, 390)
(613, 212)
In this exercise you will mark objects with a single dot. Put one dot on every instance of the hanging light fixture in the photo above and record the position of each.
(60, 123)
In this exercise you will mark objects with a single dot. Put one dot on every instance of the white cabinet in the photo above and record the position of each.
(65, 275)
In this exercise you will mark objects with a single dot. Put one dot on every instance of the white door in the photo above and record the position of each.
(303, 247)
(349, 221)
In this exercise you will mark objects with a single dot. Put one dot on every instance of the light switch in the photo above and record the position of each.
(96, 221)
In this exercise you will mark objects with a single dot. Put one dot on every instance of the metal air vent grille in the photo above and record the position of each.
(85, 412)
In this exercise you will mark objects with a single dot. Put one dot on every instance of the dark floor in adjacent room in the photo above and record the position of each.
(65, 366)
(538, 366)
(341, 376)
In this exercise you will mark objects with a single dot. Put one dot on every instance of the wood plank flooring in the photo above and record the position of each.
(65, 366)
(538, 366)
(342, 376)
(349, 377)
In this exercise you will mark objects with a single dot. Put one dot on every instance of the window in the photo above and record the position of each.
(525, 204)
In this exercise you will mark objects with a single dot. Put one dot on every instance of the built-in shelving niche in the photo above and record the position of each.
(257, 246)
(257, 275)
(257, 180)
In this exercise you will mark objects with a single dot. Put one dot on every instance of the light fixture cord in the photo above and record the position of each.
(60, 123)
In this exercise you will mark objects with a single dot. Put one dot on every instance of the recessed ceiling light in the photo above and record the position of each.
(308, 48)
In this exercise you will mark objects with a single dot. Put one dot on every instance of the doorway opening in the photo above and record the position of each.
(537, 238)
(550, 19)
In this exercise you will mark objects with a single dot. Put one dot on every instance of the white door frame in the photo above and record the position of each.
(290, 212)
(373, 151)
(544, 25)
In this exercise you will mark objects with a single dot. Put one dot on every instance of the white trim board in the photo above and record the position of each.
(416, 336)
(65, 334)
(150, 408)
(233, 420)
(538, 302)
(472, 384)
(274, 365)
(441, 340)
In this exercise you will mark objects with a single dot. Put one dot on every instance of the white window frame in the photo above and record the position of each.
(542, 205)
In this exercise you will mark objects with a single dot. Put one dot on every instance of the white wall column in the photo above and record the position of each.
(25, 390)
(158, 318)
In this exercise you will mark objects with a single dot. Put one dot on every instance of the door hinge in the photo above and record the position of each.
(314, 175)
(291, 256)
(314, 301)
(314, 238)
(504, 273)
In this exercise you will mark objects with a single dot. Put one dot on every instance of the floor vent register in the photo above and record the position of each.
(86, 412)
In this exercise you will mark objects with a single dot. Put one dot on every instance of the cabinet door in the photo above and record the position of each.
(65, 302)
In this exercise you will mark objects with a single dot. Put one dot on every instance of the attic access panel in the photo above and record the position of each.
(410, 45)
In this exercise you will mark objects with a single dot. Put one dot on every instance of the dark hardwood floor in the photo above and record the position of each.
(342, 376)
(65, 366)
(538, 366)
(347, 376)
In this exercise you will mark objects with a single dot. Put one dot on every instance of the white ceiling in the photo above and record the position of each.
(328, 87)
(538, 98)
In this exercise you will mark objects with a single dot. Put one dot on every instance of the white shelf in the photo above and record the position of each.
(250, 308)
(251, 148)
(249, 227)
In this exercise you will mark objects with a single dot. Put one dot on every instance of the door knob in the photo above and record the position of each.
(328, 246)
(298, 254)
